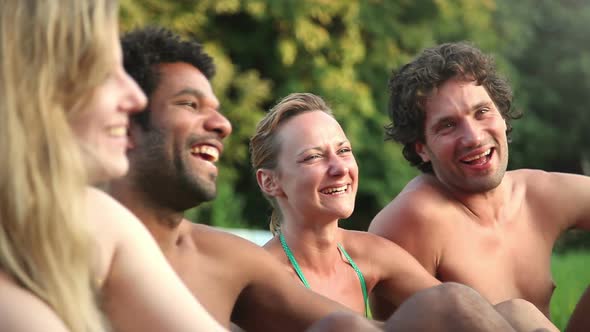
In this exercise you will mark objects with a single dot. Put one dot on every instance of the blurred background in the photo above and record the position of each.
(345, 52)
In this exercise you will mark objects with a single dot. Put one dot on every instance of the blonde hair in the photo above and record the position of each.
(53, 54)
(264, 145)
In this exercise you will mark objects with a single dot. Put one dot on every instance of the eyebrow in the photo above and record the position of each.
(190, 91)
(471, 109)
(481, 104)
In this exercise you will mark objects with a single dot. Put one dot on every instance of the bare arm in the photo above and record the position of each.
(399, 277)
(141, 292)
(21, 311)
(407, 221)
(571, 195)
(274, 301)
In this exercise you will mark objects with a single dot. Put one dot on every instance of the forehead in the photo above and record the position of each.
(310, 130)
(455, 96)
(178, 76)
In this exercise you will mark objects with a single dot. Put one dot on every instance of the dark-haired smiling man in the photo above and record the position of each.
(466, 218)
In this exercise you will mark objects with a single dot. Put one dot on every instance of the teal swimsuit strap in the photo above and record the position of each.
(350, 261)
(293, 261)
(361, 278)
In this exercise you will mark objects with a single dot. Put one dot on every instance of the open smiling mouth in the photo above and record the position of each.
(206, 152)
(335, 190)
(480, 159)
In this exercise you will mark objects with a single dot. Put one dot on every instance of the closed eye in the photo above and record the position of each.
(191, 104)
(312, 157)
(345, 150)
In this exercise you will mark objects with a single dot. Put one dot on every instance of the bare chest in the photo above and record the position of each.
(512, 260)
(342, 285)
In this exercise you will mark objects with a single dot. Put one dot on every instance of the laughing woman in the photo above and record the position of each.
(305, 167)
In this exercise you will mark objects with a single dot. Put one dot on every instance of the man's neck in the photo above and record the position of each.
(162, 222)
(487, 208)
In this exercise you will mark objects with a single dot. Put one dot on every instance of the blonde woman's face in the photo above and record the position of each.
(318, 172)
(102, 126)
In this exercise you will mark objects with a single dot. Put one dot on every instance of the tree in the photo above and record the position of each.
(343, 51)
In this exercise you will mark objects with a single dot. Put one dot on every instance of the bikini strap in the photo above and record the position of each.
(361, 278)
(293, 261)
(350, 261)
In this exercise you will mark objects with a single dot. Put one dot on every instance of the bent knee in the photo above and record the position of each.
(524, 315)
(343, 321)
(515, 305)
(452, 294)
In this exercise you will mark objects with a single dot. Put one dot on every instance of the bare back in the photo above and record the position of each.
(239, 281)
(505, 257)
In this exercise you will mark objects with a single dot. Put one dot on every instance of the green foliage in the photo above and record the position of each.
(547, 45)
(341, 50)
(345, 52)
(572, 276)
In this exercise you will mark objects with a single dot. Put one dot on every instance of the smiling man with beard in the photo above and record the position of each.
(467, 219)
(174, 147)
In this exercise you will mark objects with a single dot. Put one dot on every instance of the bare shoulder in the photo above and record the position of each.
(110, 220)
(420, 207)
(112, 226)
(237, 253)
(372, 247)
(106, 210)
(217, 239)
(21, 311)
(547, 183)
(559, 198)
(365, 242)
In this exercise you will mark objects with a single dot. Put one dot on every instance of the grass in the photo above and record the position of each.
(571, 277)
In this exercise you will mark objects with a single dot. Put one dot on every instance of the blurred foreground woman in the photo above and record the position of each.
(66, 250)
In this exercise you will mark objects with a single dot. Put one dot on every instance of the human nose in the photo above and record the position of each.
(134, 99)
(472, 134)
(219, 124)
(338, 167)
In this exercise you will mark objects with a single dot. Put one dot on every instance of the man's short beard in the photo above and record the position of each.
(168, 183)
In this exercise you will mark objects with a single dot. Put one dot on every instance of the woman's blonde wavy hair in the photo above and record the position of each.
(53, 54)
(265, 146)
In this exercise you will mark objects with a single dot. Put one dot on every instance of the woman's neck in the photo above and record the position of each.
(314, 246)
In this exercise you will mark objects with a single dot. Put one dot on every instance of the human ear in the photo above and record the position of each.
(420, 149)
(268, 182)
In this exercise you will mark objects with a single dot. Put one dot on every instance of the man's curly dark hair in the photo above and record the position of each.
(413, 83)
(144, 49)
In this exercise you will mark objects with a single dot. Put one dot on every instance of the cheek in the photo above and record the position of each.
(353, 168)
(84, 130)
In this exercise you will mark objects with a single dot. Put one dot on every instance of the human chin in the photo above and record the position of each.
(113, 166)
(202, 186)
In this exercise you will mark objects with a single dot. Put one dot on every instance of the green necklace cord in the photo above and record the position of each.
(356, 269)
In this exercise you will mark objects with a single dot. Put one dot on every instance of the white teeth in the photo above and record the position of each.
(210, 153)
(335, 190)
(118, 131)
(478, 156)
